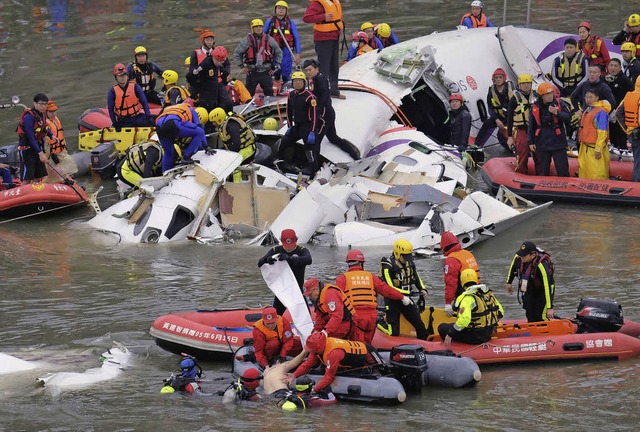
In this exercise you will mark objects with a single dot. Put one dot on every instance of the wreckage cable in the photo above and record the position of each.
(390, 103)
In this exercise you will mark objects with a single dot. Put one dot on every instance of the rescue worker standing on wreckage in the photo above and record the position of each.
(534, 268)
(399, 271)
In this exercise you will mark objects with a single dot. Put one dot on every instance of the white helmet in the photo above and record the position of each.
(477, 3)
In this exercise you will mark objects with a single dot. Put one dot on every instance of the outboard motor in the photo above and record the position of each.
(408, 363)
(597, 315)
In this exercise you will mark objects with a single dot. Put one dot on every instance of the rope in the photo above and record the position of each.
(42, 212)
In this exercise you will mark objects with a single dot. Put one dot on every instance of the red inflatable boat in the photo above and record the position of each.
(39, 197)
(98, 118)
(619, 191)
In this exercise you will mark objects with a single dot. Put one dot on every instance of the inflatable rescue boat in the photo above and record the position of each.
(36, 198)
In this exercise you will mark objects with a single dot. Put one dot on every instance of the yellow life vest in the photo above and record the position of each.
(521, 113)
(570, 73)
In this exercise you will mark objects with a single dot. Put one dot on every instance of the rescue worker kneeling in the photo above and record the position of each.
(272, 338)
(337, 355)
(478, 313)
(234, 133)
(142, 160)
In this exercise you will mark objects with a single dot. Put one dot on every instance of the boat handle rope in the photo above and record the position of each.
(490, 345)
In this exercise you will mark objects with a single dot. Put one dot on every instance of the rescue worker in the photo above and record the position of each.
(326, 17)
(534, 269)
(298, 257)
(630, 33)
(283, 30)
(143, 72)
(476, 18)
(385, 35)
(272, 338)
(593, 47)
(362, 288)
(234, 133)
(457, 260)
(142, 160)
(6, 173)
(498, 97)
(593, 158)
(126, 101)
(459, 122)
(258, 55)
(372, 38)
(173, 93)
(631, 64)
(594, 82)
(359, 45)
(569, 68)
(238, 92)
(188, 380)
(337, 355)
(333, 311)
(518, 122)
(547, 135)
(304, 123)
(249, 381)
(181, 121)
(196, 79)
(399, 271)
(620, 85)
(57, 152)
(32, 131)
(212, 92)
(628, 114)
(319, 86)
(478, 313)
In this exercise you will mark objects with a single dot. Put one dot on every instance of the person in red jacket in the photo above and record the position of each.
(457, 260)
(361, 288)
(333, 311)
(272, 338)
(593, 48)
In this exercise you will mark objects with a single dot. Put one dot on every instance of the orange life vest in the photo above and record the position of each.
(631, 114)
(477, 23)
(364, 49)
(322, 306)
(255, 47)
(359, 289)
(335, 9)
(280, 30)
(181, 110)
(355, 351)
(56, 129)
(588, 131)
(277, 333)
(126, 103)
(467, 260)
(201, 55)
(39, 125)
(535, 111)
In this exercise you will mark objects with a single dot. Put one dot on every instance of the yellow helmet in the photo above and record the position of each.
(169, 77)
(366, 25)
(187, 61)
(257, 23)
(217, 116)
(402, 247)
(270, 124)
(203, 115)
(468, 276)
(140, 50)
(634, 20)
(525, 78)
(629, 46)
(282, 3)
(299, 75)
(384, 30)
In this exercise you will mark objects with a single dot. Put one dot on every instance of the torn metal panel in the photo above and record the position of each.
(248, 204)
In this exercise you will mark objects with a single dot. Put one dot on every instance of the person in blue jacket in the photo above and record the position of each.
(374, 42)
(283, 29)
(385, 35)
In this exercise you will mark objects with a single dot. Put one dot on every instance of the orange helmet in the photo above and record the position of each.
(355, 255)
(119, 69)
(316, 342)
(205, 34)
(456, 96)
(545, 88)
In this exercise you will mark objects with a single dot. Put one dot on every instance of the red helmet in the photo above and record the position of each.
(219, 53)
(456, 96)
(447, 241)
(585, 25)
(119, 69)
(189, 102)
(251, 378)
(499, 71)
(355, 255)
(360, 36)
(316, 342)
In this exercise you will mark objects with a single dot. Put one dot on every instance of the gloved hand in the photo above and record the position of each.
(197, 70)
(284, 257)
(322, 394)
(55, 158)
(270, 260)
(311, 139)
(406, 301)
(448, 310)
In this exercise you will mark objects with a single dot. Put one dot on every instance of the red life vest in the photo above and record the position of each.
(201, 55)
(280, 30)
(126, 103)
(535, 111)
(477, 23)
(592, 50)
(348, 310)
(255, 47)
(56, 129)
(39, 125)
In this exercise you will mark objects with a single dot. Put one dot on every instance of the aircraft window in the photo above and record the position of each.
(420, 147)
(405, 160)
(182, 217)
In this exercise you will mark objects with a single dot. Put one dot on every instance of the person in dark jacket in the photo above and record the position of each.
(631, 64)
(620, 85)
(459, 121)
(297, 256)
(594, 82)
(547, 133)
(498, 96)
(630, 31)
